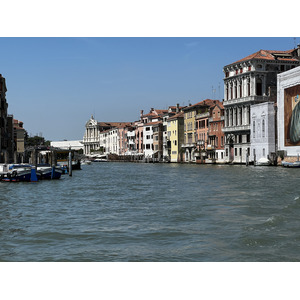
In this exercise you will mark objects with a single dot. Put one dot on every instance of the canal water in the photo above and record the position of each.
(154, 212)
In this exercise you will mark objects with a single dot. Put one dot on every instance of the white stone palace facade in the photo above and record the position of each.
(91, 138)
(250, 81)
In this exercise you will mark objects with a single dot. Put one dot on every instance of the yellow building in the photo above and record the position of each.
(190, 135)
(176, 136)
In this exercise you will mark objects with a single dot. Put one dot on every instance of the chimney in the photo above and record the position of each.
(298, 50)
(177, 107)
(142, 112)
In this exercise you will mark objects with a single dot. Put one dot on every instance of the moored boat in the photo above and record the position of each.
(47, 172)
(287, 164)
(263, 162)
(18, 172)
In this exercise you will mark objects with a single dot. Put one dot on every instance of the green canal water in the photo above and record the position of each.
(119, 212)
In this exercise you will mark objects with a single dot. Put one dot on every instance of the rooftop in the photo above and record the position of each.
(270, 55)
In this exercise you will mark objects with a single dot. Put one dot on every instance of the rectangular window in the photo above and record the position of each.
(235, 151)
(240, 151)
(226, 152)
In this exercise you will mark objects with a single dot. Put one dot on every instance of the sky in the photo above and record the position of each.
(55, 84)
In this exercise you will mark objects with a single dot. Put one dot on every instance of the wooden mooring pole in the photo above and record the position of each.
(70, 163)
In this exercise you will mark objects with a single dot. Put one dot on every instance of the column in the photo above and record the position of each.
(253, 86)
(234, 116)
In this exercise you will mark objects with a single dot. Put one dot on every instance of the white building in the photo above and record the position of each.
(148, 140)
(91, 138)
(288, 115)
(66, 145)
(262, 131)
(109, 141)
(250, 81)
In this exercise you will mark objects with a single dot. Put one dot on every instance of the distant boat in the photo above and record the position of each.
(85, 162)
(100, 160)
(287, 164)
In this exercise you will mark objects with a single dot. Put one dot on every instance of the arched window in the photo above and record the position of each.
(263, 128)
(253, 129)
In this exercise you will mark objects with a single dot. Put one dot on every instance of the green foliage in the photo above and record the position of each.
(35, 141)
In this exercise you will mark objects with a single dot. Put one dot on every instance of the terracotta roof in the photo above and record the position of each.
(161, 111)
(218, 103)
(153, 123)
(112, 124)
(179, 115)
(269, 55)
(150, 115)
(206, 102)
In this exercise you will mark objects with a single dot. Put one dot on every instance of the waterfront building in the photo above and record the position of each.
(288, 115)
(94, 143)
(196, 129)
(175, 130)
(5, 138)
(262, 131)
(126, 134)
(91, 138)
(149, 120)
(19, 141)
(139, 135)
(131, 140)
(148, 139)
(109, 141)
(158, 140)
(215, 146)
(172, 110)
(249, 81)
(202, 126)
(190, 139)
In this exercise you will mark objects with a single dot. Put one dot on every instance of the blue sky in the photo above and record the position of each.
(56, 84)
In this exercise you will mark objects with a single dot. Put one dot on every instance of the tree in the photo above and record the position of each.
(35, 141)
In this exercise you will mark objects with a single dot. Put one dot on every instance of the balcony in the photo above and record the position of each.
(236, 128)
(203, 115)
(188, 145)
(255, 99)
(210, 147)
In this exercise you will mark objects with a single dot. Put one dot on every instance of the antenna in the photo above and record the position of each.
(213, 92)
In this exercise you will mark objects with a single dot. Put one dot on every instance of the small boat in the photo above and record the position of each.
(263, 162)
(85, 162)
(19, 172)
(100, 160)
(47, 172)
(287, 164)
